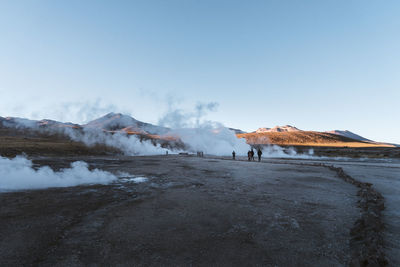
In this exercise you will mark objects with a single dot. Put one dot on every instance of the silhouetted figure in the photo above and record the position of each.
(259, 153)
(233, 155)
(252, 154)
(249, 155)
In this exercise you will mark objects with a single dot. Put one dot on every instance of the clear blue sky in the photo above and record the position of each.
(317, 65)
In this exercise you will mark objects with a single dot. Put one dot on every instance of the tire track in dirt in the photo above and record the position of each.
(366, 242)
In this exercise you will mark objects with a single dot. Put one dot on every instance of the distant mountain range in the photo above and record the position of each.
(281, 135)
(289, 135)
(289, 128)
(111, 122)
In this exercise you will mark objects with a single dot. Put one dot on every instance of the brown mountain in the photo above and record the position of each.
(306, 138)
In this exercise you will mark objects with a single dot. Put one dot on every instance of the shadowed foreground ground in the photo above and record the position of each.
(190, 211)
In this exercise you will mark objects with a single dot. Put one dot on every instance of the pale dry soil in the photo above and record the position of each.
(386, 179)
(191, 211)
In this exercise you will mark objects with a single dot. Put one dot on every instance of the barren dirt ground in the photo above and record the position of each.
(191, 211)
(387, 181)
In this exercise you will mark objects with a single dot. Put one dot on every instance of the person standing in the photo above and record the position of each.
(252, 154)
(233, 155)
(259, 153)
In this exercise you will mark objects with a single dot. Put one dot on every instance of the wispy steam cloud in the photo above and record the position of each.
(78, 111)
(177, 118)
(203, 108)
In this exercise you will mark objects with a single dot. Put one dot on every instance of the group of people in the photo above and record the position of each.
(250, 154)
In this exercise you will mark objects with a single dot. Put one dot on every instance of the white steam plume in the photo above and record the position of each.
(199, 135)
(129, 145)
(275, 151)
(212, 139)
(18, 174)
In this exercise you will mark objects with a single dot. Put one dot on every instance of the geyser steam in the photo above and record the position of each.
(18, 174)
(200, 135)
(129, 145)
